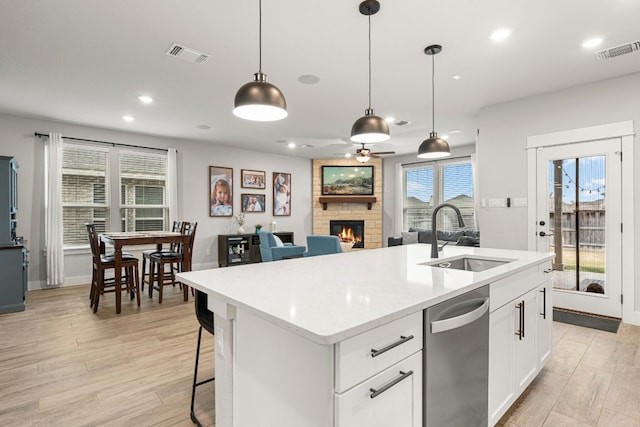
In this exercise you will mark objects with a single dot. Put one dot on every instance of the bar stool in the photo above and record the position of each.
(174, 247)
(101, 263)
(205, 317)
(157, 277)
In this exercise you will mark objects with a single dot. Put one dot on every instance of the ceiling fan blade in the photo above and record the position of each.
(383, 152)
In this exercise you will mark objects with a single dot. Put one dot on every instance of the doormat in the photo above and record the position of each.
(607, 324)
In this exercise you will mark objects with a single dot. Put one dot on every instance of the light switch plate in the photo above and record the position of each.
(520, 201)
(497, 203)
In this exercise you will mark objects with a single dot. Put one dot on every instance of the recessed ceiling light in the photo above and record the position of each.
(308, 79)
(390, 119)
(592, 42)
(145, 99)
(128, 118)
(203, 127)
(291, 145)
(500, 34)
(456, 77)
(454, 131)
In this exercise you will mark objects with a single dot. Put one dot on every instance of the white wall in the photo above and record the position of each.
(194, 158)
(503, 160)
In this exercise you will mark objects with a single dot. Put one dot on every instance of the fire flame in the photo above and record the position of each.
(347, 236)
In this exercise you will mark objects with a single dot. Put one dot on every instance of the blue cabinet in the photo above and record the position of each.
(13, 279)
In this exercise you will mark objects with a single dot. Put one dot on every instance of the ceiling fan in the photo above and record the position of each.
(364, 154)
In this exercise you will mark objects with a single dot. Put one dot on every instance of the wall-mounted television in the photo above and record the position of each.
(347, 180)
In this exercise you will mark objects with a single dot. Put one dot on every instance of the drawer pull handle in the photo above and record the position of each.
(548, 270)
(402, 340)
(387, 386)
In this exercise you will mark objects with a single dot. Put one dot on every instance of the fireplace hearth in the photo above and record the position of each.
(348, 231)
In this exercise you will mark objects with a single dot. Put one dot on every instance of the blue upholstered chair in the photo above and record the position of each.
(322, 245)
(272, 248)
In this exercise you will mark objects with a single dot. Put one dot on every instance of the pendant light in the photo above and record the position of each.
(433, 147)
(258, 100)
(369, 128)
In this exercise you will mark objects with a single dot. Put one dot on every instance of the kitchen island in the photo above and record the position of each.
(294, 338)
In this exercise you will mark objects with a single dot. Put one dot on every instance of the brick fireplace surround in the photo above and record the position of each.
(349, 211)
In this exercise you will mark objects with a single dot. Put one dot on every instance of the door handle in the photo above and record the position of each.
(544, 303)
(402, 340)
(543, 234)
(403, 375)
(520, 331)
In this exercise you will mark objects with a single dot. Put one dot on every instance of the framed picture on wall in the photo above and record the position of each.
(220, 191)
(252, 202)
(252, 179)
(347, 180)
(281, 194)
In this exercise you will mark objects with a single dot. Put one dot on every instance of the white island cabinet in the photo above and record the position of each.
(318, 342)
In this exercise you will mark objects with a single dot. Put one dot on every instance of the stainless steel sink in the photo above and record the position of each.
(468, 263)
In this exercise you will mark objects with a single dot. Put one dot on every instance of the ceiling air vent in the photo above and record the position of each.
(187, 54)
(401, 123)
(623, 49)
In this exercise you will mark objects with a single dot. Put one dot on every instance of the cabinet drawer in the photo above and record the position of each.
(509, 288)
(398, 405)
(364, 355)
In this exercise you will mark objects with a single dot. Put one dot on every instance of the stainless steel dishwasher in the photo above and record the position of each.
(456, 361)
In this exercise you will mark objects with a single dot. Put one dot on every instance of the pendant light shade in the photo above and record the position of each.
(369, 128)
(258, 100)
(433, 147)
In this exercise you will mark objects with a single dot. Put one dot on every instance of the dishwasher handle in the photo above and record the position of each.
(461, 320)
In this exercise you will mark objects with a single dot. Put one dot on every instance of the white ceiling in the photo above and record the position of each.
(86, 61)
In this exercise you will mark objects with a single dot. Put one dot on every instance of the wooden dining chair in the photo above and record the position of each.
(174, 247)
(157, 276)
(101, 263)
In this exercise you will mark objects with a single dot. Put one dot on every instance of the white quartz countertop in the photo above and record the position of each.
(333, 297)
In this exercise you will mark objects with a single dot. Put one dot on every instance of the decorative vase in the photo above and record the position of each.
(240, 230)
(258, 229)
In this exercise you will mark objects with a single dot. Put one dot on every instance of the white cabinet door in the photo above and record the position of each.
(525, 356)
(391, 398)
(501, 343)
(545, 316)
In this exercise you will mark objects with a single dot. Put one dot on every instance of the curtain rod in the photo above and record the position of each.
(114, 144)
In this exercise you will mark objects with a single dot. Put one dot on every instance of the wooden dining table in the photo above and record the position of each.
(120, 239)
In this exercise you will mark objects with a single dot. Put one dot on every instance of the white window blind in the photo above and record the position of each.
(86, 172)
(143, 200)
(429, 184)
(85, 178)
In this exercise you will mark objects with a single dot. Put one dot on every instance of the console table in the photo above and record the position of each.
(239, 249)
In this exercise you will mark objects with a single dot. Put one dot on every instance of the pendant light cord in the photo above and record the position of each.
(369, 62)
(260, 36)
(433, 94)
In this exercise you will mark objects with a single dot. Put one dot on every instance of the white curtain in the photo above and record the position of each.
(53, 210)
(172, 185)
(399, 200)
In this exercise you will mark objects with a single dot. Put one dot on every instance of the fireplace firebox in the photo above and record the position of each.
(349, 231)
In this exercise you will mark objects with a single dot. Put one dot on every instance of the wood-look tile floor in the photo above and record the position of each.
(592, 379)
(63, 365)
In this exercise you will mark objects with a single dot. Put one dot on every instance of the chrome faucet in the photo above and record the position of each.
(434, 221)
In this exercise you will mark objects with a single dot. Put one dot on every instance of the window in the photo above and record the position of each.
(140, 205)
(143, 195)
(429, 184)
(85, 178)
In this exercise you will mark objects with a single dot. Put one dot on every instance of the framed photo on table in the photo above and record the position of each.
(347, 180)
(220, 191)
(252, 179)
(281, 194)
(252, 202)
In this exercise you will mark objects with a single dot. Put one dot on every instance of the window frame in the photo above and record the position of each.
(438, 188)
